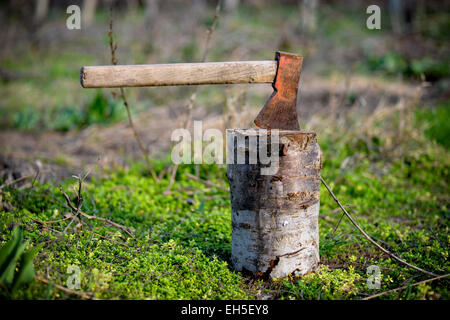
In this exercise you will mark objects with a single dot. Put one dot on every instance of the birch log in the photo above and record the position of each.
(178, 74)
(275, 217)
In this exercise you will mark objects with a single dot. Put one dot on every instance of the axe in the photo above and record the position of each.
(279, 112)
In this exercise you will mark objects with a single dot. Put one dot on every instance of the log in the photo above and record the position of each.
(178, 74)
(88, 12)
(274, 217)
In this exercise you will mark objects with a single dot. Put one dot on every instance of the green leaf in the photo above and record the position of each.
(10, 253)
(26, 269)
(6, 251)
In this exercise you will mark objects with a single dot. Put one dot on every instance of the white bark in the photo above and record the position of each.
(275, 218)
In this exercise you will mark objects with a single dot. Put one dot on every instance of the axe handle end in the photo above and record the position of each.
(178, 74)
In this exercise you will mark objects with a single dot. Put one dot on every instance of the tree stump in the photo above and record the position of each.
(274, 217)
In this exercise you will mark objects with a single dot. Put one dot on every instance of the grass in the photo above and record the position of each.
(393, 177)
(101, 110)
(182, 246)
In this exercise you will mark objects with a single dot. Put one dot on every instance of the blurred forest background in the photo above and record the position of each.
(379, 101)
(348, 69)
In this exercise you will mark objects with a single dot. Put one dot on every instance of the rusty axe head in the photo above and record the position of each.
(280, 111)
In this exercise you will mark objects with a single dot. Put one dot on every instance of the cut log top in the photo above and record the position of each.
(301, 137)
(178, 74)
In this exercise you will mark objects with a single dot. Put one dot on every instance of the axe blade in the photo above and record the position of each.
(280, 111)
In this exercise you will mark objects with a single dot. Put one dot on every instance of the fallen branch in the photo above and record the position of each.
(172, 179)
(14, 181)
(51, 221)
(371, 240)
(406, 286)
(205, 182)
(85, 295)
(92, 217)
(48, 221)
(109, 239)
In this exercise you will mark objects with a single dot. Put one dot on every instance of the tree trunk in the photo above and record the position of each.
(231, 5)
(151, 13)
(309, 15)
(88, 11)
(275, 217)
(41, 10)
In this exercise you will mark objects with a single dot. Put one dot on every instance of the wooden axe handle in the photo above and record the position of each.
(178, 74)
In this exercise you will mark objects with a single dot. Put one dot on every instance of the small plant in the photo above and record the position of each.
(103, 110)
(16, 264)
(393, 63)
(27, 119)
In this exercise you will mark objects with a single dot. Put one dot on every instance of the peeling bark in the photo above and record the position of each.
(275, 217)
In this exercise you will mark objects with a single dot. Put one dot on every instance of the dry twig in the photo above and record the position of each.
(92, 217)
(205, 182)
(108, 238)
(76, 210)
(406, 286)
(190, 105)
(113, 48)
(84, 295)
(7, 184)
(373, 241)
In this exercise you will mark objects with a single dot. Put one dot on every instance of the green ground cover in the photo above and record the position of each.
(182, 246)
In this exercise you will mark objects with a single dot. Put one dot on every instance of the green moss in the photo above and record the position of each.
(182, 246)
(324, 284)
